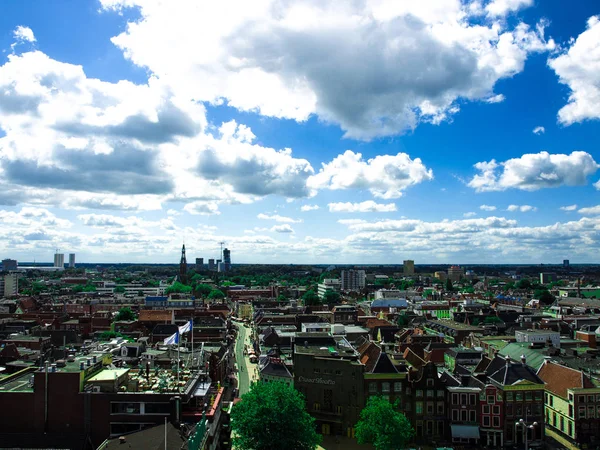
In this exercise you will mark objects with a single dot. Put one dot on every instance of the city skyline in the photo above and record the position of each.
(371, 132)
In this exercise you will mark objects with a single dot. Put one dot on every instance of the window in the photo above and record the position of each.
(486, 421)
(486, 409)
(429, 382)
(454, 398)
(570, 428)
(463, 415)
(519, 396)
(408, 391)
(582, 399)
(582, 412)
(528, 396)
(496, 422)
(463, 399)
(440, 427)
(455, 415)
(491, 399)
(562, 423)
(397, 386)
(125, 408)
(547, 399)
(509, 409)
(429, 407)
(338, 372)
(317, 406)
(429, 427)
(385, 387)
(338, 409)
(372, 388)
(157, 408)
(419, 408)
(518, 409)
(570, 397)
(419, 393)
(472, 399)
(551, 400)
(317, 370)
(571, 411)
(538, 396)
(590, 398)
(554, 419)
(590, 412)
(496, 410)
(429, 393)
(597, 398)
(440, 407)
(472, 416)
(509, 396)
(440, 394)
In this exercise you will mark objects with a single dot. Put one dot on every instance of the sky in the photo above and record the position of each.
(313, 131)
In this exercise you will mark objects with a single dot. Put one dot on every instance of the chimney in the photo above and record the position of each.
(523, 359)
(81, 365)
(88, 362)
(507, 359)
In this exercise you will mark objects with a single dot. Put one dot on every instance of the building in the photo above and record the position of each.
(199, 263)
(547, 277)
(409, 267)
(71, 260)
(572, 406)
(329, 284)
(329, 374)
(566, 263)
(538, 336)
(353, 280)
(211, 264)
(59, 260)
(11, 284)
(440, 275)
(226, 260)
(275, 370)
(183, 267)
(455, 273)
(9, 264)
(463, 407)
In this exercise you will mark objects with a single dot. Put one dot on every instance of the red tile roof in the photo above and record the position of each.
(560, 378)
(149, 315)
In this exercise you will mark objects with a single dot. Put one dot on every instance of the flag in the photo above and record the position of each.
(185, 328)
(173, 339)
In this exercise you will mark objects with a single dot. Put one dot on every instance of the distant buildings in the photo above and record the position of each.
(455, 273)
(9, 264)
(547, 277)
(409, 267)
(353, 280)
(566, 263)
(211, 264)
(71, 260)
(440, 275)
(59, 260)
(329, 284)
(199, 263)
(11, 284)
(226, 260)
(538, 337)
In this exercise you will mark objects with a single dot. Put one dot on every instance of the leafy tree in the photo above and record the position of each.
(449, 286)
(216, 294)
(402, 321)
(125, 314)
(331, 297)
(271, 416)
(281, 298)
(311, 298)
(544, 296)
(178, 288)
(524, 284)
(119, 290)
(204, 289)
(384, 427)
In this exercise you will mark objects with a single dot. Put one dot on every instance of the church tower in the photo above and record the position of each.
(183, 267)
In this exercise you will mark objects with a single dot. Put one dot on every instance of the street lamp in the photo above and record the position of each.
(532, 427)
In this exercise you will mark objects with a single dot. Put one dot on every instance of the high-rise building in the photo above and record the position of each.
(9, 264)
(226, 260)
(183, 266)
(71, 260)
(566, 263)
(211, 264)
(353, 280)
(199, 263)
(409, 267)
(11, 284)
(59, 260)
(455, 273)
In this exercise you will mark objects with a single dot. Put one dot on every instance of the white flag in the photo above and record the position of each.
(185, 328)
(173, 339)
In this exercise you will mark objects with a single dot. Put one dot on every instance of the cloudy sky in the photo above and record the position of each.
(313, 131)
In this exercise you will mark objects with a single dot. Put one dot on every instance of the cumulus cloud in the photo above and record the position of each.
(495, 99)
(534, 171)
(487, 208)
(590, 211)
(23, 34)
(305, 208)
(569, 208)
(278, 218)
(293, 59)
(579, 68)
(202, 208)
(385, 176)
(522, 208)
(363, 207)
(469, 214)
(285, 228)
(539, 130)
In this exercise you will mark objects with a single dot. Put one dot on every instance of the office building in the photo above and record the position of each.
(328, 284)
(353, 280)
(455, 273)
(211, 264)
(566, 263)
(71, 260)
(547, 277)
(199, 263)
(226, 260)
(59, 260)
(409, 267)
(538, 337)
(9, 264)
(11, 284)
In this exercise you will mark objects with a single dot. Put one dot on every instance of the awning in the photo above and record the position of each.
(465, 431)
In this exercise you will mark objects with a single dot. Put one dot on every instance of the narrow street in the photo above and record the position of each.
(242, 363)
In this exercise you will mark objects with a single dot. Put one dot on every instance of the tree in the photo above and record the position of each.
(204, 289)
(178, 288)
(120, 290)
(524, 284)
(216, 294)
(125, 314)
(544, 296)
(384, 427)
(331, 297)
(449, 286)
(271, 416)
(282, 298)
(310, 298)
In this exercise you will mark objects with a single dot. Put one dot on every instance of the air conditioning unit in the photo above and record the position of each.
(96, 389)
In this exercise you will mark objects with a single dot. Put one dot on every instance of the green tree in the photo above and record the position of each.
(449, 286)
(178, 288)
(331, 297)
(281, 298)
(125, 314)
(120, 290)
(311, 298)
(216, 294)
(204, 289)
(544, 296)
(524, 284)
(271, 416)
(384, 427)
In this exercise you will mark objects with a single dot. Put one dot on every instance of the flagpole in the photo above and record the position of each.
(192, 324)
(178, 360)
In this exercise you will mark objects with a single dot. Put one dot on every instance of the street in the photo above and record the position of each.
(242, 363)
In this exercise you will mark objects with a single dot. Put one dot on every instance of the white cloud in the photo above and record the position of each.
(534, 171)
(487, 208)
(285, 228)
(385, 176)
(278, 218)
(522, 208)
(305, 208)
(569, 208)
(202, 208)
(503, 7)
(351, 221)
(295, 58)
(363, 207)
(579, 69)
(23, 34)
(539, 130)
(495, 99)
(590, 211)
(469, 214)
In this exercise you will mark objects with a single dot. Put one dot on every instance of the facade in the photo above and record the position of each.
(211, 264)
(274, 370)
(463, 408)
(71, 260)
(425, 404)
(226, 260)
(59, 260)
(329, 284)
(538, 336)
(547, 277)
(440, 275)
(199, 263)
(455, 273)
(353, 280)
(9, 264)
(11, 284)
(409, 267)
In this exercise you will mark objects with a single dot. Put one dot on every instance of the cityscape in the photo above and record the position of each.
(299, 225)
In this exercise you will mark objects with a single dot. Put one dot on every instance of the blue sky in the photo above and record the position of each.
(445, 132)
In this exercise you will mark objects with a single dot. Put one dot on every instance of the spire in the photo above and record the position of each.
(183, 267)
